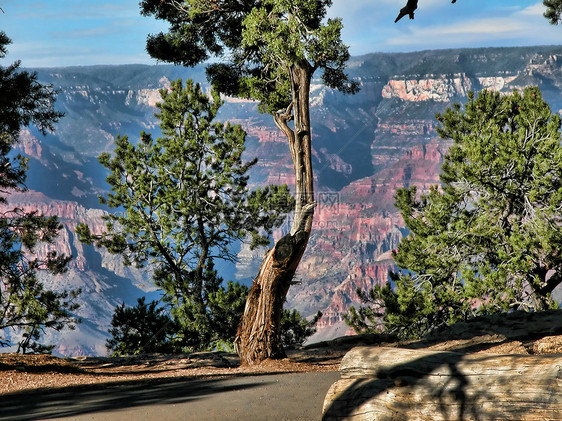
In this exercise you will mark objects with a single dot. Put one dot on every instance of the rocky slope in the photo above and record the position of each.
(364, 148)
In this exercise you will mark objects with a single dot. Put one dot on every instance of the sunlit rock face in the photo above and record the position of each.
(365, 146)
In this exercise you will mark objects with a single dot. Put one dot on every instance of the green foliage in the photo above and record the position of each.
(147, 329)
(262, 40)
(140, 330)
(180, 201)
(295, 329)
(404, 311)
(26, 307)
(553, 10)
(24, 101)
(226, 307)
(489, 238)
(186, 189)
(216, 326)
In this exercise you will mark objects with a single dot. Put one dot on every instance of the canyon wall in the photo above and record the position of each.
(364, 148)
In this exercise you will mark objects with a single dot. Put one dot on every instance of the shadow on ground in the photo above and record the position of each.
(407, 389)
(73, 401)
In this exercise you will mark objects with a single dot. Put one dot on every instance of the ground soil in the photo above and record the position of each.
(35, 372)
(514, 333)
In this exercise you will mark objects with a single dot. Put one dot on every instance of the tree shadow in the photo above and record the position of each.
(77, 400)
(37, 364)
(410, 382)
(410, 374)
(457, 398)
(42, 369)
(155, 363)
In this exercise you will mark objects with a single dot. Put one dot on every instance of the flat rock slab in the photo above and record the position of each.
(396, 384)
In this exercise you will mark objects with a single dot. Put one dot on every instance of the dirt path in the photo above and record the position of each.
(213, 386)
(294, 396)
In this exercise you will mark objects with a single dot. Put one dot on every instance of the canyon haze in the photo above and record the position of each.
(365, 147)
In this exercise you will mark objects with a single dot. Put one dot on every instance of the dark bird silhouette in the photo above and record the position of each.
(408, 10)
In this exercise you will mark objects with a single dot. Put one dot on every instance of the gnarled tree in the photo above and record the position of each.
(272, 50)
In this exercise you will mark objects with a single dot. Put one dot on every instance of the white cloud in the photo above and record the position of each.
(48, 55)
(481, 27)
(534, 10)
(111, 31)
(468, 23)
(94, 32)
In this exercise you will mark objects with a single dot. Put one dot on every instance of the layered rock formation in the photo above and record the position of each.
(104, 280)
(356, 236)
(364, 148)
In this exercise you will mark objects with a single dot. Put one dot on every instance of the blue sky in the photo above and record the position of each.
(86, 32)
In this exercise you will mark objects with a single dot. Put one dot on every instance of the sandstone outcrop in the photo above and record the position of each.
(364, 148)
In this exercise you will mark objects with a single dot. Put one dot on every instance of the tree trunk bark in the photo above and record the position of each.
(259, 332)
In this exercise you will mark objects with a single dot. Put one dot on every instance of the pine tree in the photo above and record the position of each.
(185, 200)
(553, 11)
(295, 329)
(142, 329)
(26, 307)
(489, 239)
(226, 307)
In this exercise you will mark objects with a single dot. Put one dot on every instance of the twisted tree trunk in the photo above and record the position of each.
(259, 332)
